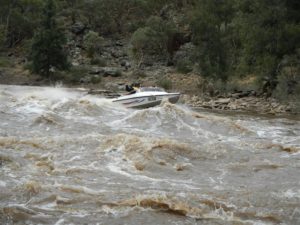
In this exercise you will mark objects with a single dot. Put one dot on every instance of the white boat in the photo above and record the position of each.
(146, 97)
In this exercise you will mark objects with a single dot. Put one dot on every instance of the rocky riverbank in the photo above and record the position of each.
(188, 86)
(244, 104)
(112, 77)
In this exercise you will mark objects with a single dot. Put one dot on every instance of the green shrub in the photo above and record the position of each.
(219, 86)
(28, 66)
(98, 61)
(138, 74)
(118, 73)
(96, 79)
(2, 36)
(246, 83)
(92, 43)
(288, 87)
(184, 66)
(165, 83)
(5, 62)
(151, 39)
(75, 74)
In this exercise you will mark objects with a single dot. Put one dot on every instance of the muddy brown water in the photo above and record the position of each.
(71, 158)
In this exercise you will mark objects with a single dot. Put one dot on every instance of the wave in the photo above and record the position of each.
(150, 152)
(178, 121)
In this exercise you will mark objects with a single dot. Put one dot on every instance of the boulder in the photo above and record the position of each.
(78, 28)
(125, 64)
(97, 70)
(222, 101)
(111, 71)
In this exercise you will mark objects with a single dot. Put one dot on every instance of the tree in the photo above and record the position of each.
(47, 51)
(152, 40)
(269, 31)
(92, 43)
(109, 17)
(212, 34)
(2, 36)
(18, 19)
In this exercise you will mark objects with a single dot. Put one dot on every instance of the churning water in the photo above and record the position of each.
(71, 158)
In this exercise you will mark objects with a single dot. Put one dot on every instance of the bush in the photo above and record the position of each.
(98, 61)
(138, 74)
(28, 66)
(151, 40)
(246, 83)
(75, 75)
(165, 83)
(5, 62)
(118, 73)
(184, 66)
(92, 43)
(288, 90)
(234, 84)
(2, 36)
(96, 79)
(219, 86)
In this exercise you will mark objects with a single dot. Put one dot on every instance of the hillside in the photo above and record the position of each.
(211, 49)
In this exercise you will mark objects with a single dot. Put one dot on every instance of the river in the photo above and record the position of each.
(71, 158)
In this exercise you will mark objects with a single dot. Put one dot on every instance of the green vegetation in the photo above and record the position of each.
(164, 83)
(2, 36)
(152, 40)
(231, 39)
(96, 79)
(92, 43)
(98, 61)
(5, 62)
(184, 66)
(47, 52)
(138, 74)
(74, 76)
(212, 34)
(237, 38)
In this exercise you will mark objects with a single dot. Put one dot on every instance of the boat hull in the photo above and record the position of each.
(135, 101)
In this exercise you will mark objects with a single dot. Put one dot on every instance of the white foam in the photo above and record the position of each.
(2, 183)
(60, 221)
(292, 193)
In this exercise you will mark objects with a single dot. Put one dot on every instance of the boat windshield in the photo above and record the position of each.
(143, 89)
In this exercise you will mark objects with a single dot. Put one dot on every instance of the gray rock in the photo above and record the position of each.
(85, 79)
(125, 64)
(222, 101)
(78, 28)
(116, 54)
(112, 86)
(184, 52)
(233, 106)
(97, 70)
(111, 71)
(119, 43)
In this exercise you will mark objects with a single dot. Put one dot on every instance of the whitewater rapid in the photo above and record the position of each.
(67, 157)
